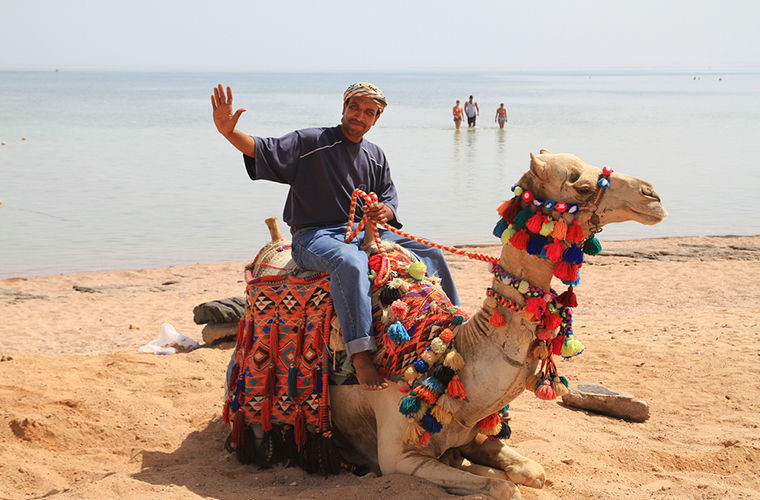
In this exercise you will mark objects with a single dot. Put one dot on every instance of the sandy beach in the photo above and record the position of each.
(673, 321)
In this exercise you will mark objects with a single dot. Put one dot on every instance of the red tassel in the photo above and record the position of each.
(546, 392)
(574, 233)
(551, 321)
(226, 413)
(241, 330)
(376, 261)
(556, 345)
(535, 306)
(489, 422)
(300, 428)
(543, 334)
(266, 415)
(424, 439)
(535, 222)
(509, 209)
(269, 385)
(520, 239)
(567, 298)
(248, 336)
(238, 428)
(497, 319)
(455, 389)
(554, 250)
(566, 272)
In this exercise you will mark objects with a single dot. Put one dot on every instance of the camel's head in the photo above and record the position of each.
(565, 177)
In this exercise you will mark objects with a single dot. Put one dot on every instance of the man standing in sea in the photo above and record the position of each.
(323, 166)
(472, 111)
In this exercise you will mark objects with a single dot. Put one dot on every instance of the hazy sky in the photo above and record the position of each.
(327, 35)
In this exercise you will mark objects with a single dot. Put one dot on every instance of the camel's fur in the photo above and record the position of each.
(497, 361)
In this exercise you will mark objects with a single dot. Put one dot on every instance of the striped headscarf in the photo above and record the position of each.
(364, 89)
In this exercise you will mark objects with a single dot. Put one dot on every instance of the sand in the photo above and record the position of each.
(672, 321)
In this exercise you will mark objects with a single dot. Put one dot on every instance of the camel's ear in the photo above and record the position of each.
(537, 166)
(543, 152)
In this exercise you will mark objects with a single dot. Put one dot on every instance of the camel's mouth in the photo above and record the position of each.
(652, 213)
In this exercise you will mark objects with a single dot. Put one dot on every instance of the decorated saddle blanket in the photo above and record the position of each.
(281, 362)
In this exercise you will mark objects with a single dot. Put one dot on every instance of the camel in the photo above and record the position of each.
(498, 359)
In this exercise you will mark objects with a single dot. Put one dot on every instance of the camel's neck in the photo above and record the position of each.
(521, 265)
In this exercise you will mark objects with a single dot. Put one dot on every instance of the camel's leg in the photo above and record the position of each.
(392, 457)
(494, 453)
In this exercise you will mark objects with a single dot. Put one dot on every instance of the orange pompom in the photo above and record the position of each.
(446, 335)
(497, 319)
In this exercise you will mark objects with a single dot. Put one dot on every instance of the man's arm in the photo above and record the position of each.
(225, 121)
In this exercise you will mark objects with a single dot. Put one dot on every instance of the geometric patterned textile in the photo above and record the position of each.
(279, 375)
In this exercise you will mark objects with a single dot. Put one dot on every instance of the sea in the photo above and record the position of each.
(125, 170)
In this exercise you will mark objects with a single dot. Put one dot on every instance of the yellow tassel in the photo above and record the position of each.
(421, 412)
(531, 382)
(430, 357)
(454, 360)
(559, 387)
(412, 432)
(446, 403)
(492, 431)
(410, 374)
(441, 415)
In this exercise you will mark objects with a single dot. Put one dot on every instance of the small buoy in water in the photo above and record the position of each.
(2, 143)
(23, 138)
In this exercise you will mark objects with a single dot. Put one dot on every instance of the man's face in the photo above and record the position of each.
(359, 114)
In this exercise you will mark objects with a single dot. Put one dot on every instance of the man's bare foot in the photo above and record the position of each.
(366, 372)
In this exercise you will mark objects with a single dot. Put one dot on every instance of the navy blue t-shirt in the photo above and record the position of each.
(322, 168)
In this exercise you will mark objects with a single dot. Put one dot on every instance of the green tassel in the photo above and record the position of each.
(592, 246)
(522, 217)
(292, 386)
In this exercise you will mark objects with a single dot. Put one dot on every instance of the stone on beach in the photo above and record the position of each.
(216, 331)
(600, 399)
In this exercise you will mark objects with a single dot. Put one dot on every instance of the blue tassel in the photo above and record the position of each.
(409, 405)
(504, 410)
(572, 283)
(434, 385)
(292, 383)
(500, 227)
(457, 320)
(536, 244)
(430, 424)
(234, 404)
(421, 366)
(573, 255)
(398, 333)
(318, 382)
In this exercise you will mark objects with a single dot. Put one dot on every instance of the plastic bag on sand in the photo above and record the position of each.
(169, 342)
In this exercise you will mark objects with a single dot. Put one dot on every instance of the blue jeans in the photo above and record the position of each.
(324, 249)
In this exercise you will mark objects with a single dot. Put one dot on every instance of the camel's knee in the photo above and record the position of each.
(527, 472)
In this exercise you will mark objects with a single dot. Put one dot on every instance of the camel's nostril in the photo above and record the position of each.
(649, 192)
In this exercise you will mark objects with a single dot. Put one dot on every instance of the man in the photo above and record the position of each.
(458, 114)
(501, 115)
(323, 166)
(472, 111)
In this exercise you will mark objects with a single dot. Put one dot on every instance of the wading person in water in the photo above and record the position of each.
(458, 114)
(323, 166)
(501, 115)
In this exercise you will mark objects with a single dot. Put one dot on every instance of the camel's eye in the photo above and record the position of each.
(574, 176)
(583, 190)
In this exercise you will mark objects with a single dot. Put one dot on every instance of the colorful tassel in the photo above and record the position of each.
(573, 255)
(574, 233)
(508, 233)
(522, 217)
(571, 347)
(424, 439)
(457, 319)
(411, 374)
(444, 374)
(543, 334)
(520, 239)
(500, 227)
(429, 357)
(434, 385)
(539, 351)
(566, 271)
(409, 404)
(547, 228)
(497, 320)
(438, 346)
(426, 395)
(453, 360)
(551, 321)
(455, 389)
(412, 432)
(446, 335)
(535, 306)
(417, 270)
(535, 244)
(531, 383)
(398, 333)
(556, 346)
(446, 404)
(567, 298)
(511, 210)
(560, 229)
(266, 414)
(592, 246)
(399, 308)
(535, 223)
(441, 415)
(559, 388)
(554, 250)
(430, 424)
(546, 392)
(293, 383)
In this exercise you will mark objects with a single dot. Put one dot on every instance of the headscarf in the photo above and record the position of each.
(364, 89)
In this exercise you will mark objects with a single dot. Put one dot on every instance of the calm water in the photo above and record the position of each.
(126, 170)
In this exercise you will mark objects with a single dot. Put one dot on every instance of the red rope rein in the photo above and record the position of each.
(371, 199)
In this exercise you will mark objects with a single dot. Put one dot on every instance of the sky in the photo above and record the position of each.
(384, 35)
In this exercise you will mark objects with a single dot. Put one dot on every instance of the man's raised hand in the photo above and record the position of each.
(224, 119)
